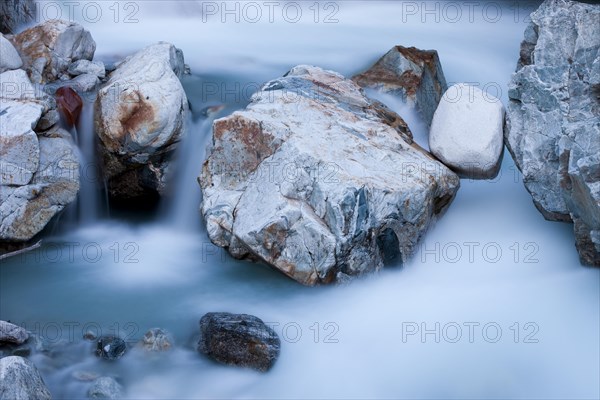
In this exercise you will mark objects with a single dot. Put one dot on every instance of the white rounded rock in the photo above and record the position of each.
(467, 132)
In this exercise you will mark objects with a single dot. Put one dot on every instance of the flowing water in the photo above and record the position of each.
(494, 304)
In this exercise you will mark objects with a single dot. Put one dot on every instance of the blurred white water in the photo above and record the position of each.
(491, 264)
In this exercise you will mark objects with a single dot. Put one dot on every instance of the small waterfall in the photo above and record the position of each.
(183, 210)
(91, 202)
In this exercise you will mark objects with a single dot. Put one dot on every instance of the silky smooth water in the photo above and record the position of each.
(493, 305)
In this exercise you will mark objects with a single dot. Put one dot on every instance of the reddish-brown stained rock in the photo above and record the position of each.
(69, 104)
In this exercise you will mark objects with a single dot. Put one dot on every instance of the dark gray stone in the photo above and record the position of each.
(111, 348)
(238, 339)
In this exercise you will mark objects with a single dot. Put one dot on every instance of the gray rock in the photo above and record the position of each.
(48, 120)
(110, 348)
(320, 182)
(25, 210)
(81, 67)
(105, 388)
(156, 340)
(553, 118)
(238, 339)
(14, 13)
(9, 57)
(10, 333)
(466, 132)
(416, 76)
(20, 380)
(48, 49)
(20, 147)
(140, 117)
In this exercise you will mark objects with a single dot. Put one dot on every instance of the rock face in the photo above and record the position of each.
(467, 132)
(105, 388)
(20, 380)
(39, 170)
(14, 13)
(110, 348)
(140, 117)
(414, 75)
(9, 57)
(10, 333)
(48, 49)
(238, 339)
(553, 118)
(318, 181)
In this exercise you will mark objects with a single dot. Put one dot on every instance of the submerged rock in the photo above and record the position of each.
(318, 181)
(553, 118)
(48, 49)
(238, 339)
(14, 13)
(105, 388)
(110, 348)
(9, 57)
(416, 76)
(140, 118)
(467, 132)
(20, 380)
(11, 333)
(157, 339)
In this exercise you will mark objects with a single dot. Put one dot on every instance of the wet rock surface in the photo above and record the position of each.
(238, 339)
(110, 348)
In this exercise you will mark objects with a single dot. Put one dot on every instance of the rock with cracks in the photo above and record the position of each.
(318, 181)
(553, 118)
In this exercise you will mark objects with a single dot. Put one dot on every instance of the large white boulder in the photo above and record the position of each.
(312, 179)
(140, 117)
(467, 132)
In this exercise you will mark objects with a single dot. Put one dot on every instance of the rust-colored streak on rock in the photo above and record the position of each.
(140, 113)
(69, 104)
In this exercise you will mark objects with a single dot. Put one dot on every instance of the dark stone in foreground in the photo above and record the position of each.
(238, 339)
(111, 348)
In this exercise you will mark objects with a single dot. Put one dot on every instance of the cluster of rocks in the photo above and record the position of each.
(232, 339)
(49, 71)
(553, 125)
(39, 165)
